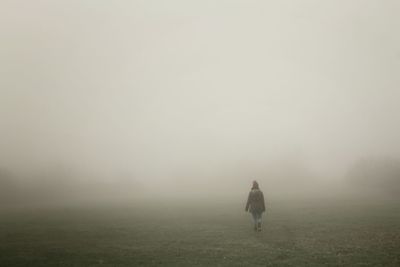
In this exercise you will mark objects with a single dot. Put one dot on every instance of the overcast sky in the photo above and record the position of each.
(162, 87)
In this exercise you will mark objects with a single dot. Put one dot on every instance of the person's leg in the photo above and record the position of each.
(255, 220)
(259, 221)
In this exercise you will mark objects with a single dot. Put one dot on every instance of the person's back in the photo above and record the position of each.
(256, 205)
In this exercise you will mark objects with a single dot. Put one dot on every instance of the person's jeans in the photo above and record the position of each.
(256, 217)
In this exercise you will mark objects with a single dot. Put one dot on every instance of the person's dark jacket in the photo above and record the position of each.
(255, 201)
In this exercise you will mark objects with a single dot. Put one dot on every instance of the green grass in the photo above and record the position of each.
(168, 234)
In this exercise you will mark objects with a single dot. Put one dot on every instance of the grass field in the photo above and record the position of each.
(171, 234)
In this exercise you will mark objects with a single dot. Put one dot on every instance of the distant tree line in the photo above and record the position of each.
(381, 175)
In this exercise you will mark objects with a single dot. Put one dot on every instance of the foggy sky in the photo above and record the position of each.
(197, 88)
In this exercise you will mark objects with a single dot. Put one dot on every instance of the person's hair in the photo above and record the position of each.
(255, 185)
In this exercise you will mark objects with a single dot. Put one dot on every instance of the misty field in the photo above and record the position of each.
(208, 233)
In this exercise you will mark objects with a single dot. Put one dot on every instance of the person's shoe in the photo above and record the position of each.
(259, 227)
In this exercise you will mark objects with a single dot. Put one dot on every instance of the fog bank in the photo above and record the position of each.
(101, 99)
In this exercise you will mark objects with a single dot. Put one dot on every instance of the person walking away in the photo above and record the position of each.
(256, 205)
